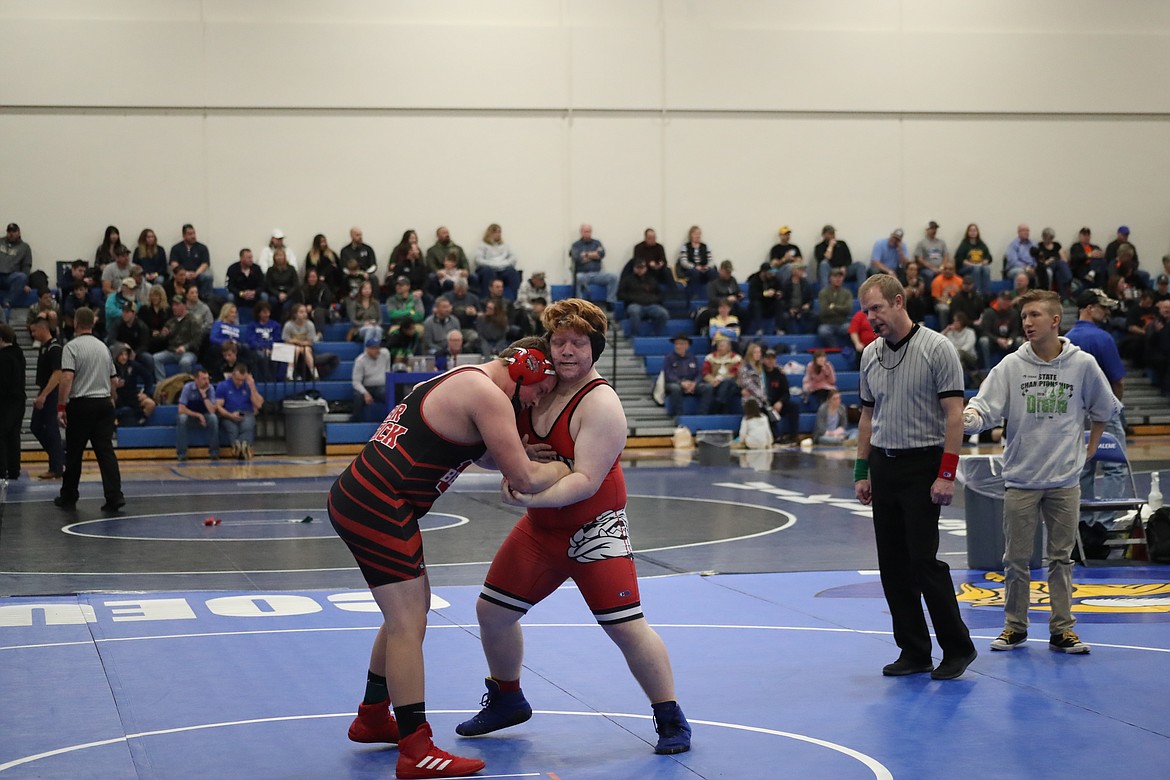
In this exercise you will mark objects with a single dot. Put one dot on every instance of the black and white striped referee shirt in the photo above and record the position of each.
(903, 383)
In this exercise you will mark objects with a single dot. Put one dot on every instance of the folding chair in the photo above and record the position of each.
(1109, 450)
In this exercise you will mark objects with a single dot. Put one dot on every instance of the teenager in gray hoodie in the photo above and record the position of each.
(1044, 390)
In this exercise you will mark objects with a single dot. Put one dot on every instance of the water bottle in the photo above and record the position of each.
(1154, 502)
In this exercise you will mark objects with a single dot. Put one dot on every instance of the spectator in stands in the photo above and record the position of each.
(447, 358)
(694, 262)
(943, 288)
(930, 253)
(126, 293)
(194, 258)
(437, 326)
(142, 287)
(466, 305)
(127, 329)
(281, 283)
(264, 332)
(888, 255)
(832, 425)
(369, 378)
(46, 304)
(861, 334)
(819, 379)
(12, 403)
(1086, 260)
(650, 250)
(151, 256)
(79, 298)
(1162, 288)
(406, 302)
(403, 340)
(682, 375)
(323, 259)
(491, 327)
(443, 280)
(969, 301)
(362, 254)
(832, 253)
(754, 431)
(245, 280)
(352, 277)
(764, 297)
(1126, 283)
(495, 259)
(276, 244)
(302, 334)
(178, 282)
(785, 253)
(963, 339)
(1021, 283)
(1052, 269)
(724, 322)
(785, 413)
(1132, 345)
(399, 252)
(226, 328)
(533, 287)
(197, 402)
(796, 301)
(412, 267)
(183, 335)
(724, 286)
(1157, 354)
(835, 307)
(587, 254)
(1020, 257)
(442, 247)
(750, 379)
(642, 297)
(105, 253)
(155, 315)
(116, 272)
(229, 358)
(15, 268)
(1111, 249)
(973, 257)
(198, 309)
(317, 299)
(918, 301)
(237, 402)
(365, 314)
(1000, 330)
(719, 371)
(132, 403)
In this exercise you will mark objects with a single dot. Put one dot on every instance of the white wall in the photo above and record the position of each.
(738, 115)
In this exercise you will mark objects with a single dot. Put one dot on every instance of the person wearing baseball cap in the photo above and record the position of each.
(276, 241)
(889, 254)
(1112, 247)
(1090, 334)
(15, 266)
(786, 253)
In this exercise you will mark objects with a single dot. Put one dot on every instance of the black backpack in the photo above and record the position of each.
(1158, 535)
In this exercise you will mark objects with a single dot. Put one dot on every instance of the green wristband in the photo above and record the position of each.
(860, 470)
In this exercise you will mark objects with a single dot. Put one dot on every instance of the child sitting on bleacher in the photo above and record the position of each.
(755, 433)
(832, 425)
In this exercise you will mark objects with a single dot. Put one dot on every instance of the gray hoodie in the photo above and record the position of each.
(1044, 405)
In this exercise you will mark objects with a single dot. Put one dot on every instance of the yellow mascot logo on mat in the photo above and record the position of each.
(1109, 598)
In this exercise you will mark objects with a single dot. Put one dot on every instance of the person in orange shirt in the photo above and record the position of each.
(942, 288)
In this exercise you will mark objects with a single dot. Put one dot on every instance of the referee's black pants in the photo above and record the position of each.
(90, 421)
(905, 523)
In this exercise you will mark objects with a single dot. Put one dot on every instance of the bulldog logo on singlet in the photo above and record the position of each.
(606, 537)
(389, 431)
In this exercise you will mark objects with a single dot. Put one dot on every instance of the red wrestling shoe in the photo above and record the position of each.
(419, 758)
(374, 723)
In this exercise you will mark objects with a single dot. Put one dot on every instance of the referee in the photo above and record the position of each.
(911, 428)
(86, 408)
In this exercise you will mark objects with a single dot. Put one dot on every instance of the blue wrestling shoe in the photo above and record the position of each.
(500, 710)
(674, 733)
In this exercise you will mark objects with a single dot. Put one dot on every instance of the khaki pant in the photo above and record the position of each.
(1060, 509)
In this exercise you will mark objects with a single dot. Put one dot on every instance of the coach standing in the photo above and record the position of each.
(86, 408)
(911, 429)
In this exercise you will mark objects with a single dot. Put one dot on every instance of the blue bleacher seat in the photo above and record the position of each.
(335, 331)
(350, 432)
(560, 291)
(346, 350)
(654, 364)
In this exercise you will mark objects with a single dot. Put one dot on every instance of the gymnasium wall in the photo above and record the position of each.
(737, 115)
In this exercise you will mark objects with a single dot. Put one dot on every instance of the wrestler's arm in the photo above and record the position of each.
(598, 442)
(493, 416)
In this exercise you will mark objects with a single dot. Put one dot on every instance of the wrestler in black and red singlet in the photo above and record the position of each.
(376, 503)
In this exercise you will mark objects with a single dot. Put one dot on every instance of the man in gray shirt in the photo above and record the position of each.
(15, 266)
(931, 252)
(437, 326)
(369, 379)
(86, 408)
